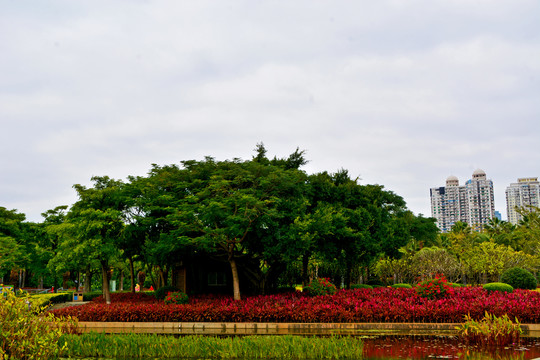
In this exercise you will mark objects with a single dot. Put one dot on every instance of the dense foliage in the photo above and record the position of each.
(519, 278)
(26, 333)
(435, 288)
(266, 222)
(362, 305)
(320, 286)
(176, 298)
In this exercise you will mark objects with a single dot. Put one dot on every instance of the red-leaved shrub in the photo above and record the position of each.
(360, 305)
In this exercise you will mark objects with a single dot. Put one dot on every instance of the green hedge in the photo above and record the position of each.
(89, 296)
(361, 286)
(404, 286)
(497, 286)
(42, 300)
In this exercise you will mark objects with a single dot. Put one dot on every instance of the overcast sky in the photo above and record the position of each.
(402, 93)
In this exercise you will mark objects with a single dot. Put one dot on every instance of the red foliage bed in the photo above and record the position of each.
(362, 305)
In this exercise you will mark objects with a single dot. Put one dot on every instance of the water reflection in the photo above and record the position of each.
(444, 347)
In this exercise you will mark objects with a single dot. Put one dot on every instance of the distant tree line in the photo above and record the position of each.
(284, 224)
(469, 257)
(272, 223)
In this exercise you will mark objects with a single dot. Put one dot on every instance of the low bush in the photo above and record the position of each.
(361, 286)
(320, 286)
(434, 288)
(90, 296)
(163, 291)
(27, 334)
(402, 286)
(519, 278)
(177, 298)
(497, 286)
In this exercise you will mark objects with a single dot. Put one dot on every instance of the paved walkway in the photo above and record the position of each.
(67, 304)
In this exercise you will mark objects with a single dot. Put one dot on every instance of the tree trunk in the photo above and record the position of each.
(236, 279)
(132, 274)
(305, 265)
(88, 280)
(105, 283)
(121, 280)
(348, 273)
(163, 276)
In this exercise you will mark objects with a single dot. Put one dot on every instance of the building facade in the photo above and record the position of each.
(524, 193)
(472, 203)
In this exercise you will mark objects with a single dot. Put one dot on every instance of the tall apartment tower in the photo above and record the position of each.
(481, 200)
(526, 192)
(448, 204)
(472, 203)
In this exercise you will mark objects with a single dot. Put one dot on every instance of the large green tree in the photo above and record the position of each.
(96, 223)
(13, 254)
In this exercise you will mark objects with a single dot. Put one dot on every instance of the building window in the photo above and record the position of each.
(217, 279)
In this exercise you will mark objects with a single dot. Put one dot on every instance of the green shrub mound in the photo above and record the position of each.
(361, 286)
(497, 286)
(163, 291)
(177, 298)
(404, 286)
(519, 278)
(319, 287)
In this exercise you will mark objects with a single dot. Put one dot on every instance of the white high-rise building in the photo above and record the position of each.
(472, 203)
(526, 192)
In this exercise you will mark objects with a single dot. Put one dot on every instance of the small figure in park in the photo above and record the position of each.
(137, 288)
(151, 288)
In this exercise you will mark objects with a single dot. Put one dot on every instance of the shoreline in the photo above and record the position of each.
(319, 329)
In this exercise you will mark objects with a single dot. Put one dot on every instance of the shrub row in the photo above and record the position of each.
(362, 305)
(42, 300)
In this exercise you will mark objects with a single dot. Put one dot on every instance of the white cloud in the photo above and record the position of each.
(402, 94)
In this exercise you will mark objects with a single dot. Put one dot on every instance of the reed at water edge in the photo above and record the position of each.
(253, 347)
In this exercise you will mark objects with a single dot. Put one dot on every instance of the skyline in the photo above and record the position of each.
(401, 94)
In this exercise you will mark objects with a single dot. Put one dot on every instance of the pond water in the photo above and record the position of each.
(444, 347)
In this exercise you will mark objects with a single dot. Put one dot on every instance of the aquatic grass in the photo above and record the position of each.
(131, 346)
(490, 331)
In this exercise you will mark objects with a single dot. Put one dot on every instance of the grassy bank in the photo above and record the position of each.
(253, 347)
